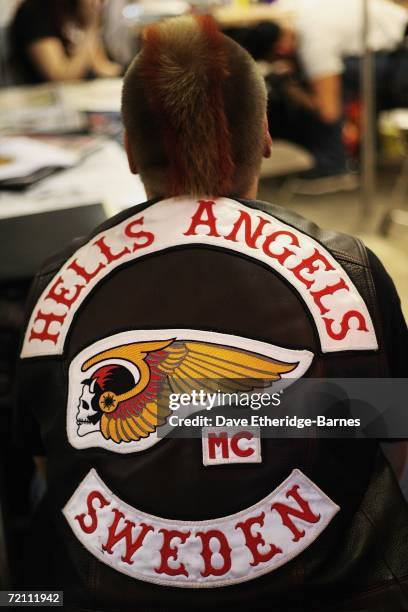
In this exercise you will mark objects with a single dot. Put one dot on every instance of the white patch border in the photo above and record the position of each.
(96, 440)
(143, 516)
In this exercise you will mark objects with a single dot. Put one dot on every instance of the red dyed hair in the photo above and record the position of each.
(183, 73)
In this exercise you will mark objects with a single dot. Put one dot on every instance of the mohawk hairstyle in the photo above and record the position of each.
(193, 106)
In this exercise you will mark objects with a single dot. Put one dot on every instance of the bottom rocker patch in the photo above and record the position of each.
(201, 554)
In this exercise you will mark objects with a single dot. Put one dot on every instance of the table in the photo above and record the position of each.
(143, 13)
(235, 16)
(43, 219)
(101, 177)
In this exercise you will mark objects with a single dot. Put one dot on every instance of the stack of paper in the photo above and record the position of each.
(22, 157)
(37, 110)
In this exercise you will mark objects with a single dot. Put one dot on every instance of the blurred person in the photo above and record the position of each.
(329, 33)
(55, 40)
(120, 38)
(204, 286)
(292, 113)
(7, 10)
(328, 39)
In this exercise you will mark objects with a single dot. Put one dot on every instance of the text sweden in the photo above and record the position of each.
(207, 553)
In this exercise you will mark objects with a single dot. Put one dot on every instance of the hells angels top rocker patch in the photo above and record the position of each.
(119, 387)
(338, 310)
(199, 554)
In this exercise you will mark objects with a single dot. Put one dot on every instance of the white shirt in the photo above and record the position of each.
(329, 30)
(120, 40)
(7, 10)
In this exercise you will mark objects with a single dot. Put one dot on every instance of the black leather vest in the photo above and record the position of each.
(234, 268)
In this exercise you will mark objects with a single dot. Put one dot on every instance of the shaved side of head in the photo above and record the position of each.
(193, 106)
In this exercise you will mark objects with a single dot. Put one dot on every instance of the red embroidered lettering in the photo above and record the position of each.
(207, 553)
(168, 551)
(91, 512)
(250, 239)
(125, 534)
(220, 440)
(61, 296)
(147, 237)
(205, 208)
(80, 270)
(329, 290)
(107, 251)
(254, 540)
(344, 324)
(304, 513)
(48, 318)
(236, 449)
(308, 264)
(282, 257)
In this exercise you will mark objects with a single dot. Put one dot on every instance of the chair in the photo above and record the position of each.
(287, 160)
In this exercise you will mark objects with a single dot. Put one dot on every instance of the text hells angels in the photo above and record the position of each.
(109, 250)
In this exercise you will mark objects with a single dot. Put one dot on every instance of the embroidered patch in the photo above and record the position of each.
(340, 314)
(120, 387)
(231, 445)
(213, 553)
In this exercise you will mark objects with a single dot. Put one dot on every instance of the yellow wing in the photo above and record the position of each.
(181, 367)
(199, 365)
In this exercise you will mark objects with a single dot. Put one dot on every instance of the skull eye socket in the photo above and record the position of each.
(85, 405)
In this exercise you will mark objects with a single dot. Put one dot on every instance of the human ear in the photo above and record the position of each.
(267, 140)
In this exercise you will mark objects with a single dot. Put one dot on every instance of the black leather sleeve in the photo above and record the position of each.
(26, 431)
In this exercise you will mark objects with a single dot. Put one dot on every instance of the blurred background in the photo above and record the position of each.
(336, 72)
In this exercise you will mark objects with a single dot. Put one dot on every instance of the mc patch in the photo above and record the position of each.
(231, 445)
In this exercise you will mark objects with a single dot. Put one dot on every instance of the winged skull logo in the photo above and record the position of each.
(126, 398)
